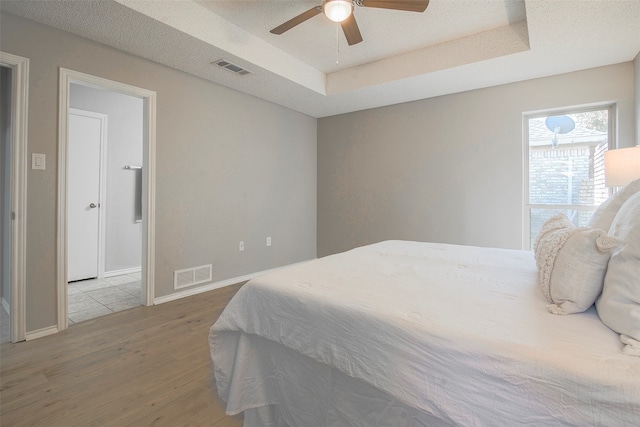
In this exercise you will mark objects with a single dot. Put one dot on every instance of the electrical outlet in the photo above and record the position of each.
(241, 246)
(269, 241)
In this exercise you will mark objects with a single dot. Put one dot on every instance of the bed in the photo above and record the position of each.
(410, 334)
(404, 333)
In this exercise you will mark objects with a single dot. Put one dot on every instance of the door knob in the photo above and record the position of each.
(93, 205)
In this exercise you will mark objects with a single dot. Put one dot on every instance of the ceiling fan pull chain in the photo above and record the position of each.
(337, 44)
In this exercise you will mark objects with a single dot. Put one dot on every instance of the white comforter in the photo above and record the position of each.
(460, 333)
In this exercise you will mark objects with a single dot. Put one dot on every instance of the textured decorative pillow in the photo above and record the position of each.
(619, 304)
(606, 212)
(572, 263)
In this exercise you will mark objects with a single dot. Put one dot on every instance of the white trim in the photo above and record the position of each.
(19, 107)
(148, 179)
(217, 285)
(194, 291)
(61, 230)
(122, 272)
(572, 207)
(6, 306)
(102, 185)
(526, 218)
(149, 195)
(39, 333)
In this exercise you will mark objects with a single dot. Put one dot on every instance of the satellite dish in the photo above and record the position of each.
(559, 125)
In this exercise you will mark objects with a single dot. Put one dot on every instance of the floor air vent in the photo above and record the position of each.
(192, 276)
(236, 69)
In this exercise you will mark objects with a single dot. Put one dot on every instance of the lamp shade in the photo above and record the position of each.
(621, 166)
(337, 10)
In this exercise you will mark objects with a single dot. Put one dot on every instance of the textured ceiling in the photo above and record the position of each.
(453, 46)
(385, 32)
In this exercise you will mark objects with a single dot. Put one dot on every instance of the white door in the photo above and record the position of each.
(86, 141)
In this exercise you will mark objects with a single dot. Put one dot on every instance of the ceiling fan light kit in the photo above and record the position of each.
(341, 11)
(337, 10)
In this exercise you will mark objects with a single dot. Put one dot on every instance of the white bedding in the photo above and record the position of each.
(458, 333)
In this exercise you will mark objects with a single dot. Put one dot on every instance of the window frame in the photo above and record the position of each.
(612, 144)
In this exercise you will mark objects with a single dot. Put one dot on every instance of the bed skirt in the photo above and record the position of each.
(277, 387)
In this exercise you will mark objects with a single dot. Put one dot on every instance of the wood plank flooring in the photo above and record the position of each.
(147, 366)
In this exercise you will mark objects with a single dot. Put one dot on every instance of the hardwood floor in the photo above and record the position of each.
(140, 367)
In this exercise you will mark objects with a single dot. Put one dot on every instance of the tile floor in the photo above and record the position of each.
(89, 299)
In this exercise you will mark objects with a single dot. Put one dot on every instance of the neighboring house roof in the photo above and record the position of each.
(540, 135)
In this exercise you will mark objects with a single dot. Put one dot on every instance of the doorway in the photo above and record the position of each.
(14, 78)
(5, 201)
(91, 236)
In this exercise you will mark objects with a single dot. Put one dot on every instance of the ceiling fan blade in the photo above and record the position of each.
(351, 30)
(408, 5)
(297, 20)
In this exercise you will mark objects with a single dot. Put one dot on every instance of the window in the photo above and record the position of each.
(564, 165)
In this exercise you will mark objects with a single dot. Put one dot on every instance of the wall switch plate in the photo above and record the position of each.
(241, 246)
(269, 241)
(38, 161)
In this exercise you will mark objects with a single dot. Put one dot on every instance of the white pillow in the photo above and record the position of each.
(572, 263)
(606, 212)
(619, 304)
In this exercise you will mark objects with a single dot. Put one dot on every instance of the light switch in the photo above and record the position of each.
(38, 161)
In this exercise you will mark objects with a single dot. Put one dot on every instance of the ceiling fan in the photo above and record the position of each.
(341, 11)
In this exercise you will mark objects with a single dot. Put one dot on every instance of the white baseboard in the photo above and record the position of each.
(6, 306)
(215, 285)
(39, 333)
(123, 271)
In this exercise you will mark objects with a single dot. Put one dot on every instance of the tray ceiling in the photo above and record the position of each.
(453, 46)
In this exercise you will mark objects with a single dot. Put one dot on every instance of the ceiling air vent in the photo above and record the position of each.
(235, 69)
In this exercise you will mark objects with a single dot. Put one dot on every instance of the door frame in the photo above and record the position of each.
(148, 181)
(102, 186)
(19, 114)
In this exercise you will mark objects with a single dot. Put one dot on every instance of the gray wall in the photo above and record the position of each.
(446, 169)
(230, 167)
(5, 182)
(123, 236)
